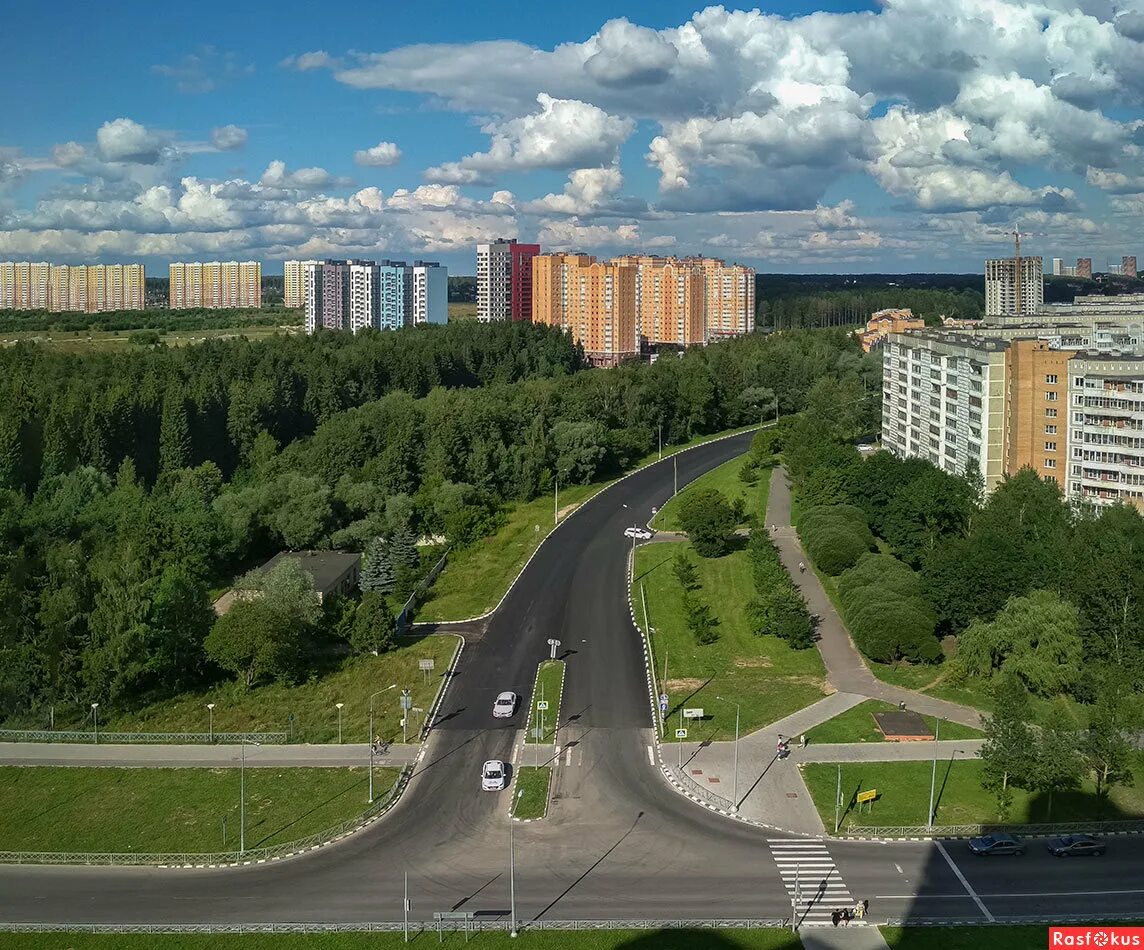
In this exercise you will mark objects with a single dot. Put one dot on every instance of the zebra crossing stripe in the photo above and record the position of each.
(810, 877)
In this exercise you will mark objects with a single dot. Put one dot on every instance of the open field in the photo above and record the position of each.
(725, 479)
(306, 712)
(462, 311)
(531, 791)
(763, 674)
(86, 341)
(903, 795)
(477, 577)
(550, 689)
(858, 725)
(174, 810)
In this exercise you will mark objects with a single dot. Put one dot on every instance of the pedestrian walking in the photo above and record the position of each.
(859, 910)
(802, 740)
(835, 916)
(846, 914)
(801, 567)
(865, 906)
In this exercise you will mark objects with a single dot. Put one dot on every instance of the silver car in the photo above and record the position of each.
(494, 776)
(505, 706)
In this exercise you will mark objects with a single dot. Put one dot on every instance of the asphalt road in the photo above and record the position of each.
(618, 842)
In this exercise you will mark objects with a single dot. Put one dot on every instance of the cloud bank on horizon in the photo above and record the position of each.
(912, 138)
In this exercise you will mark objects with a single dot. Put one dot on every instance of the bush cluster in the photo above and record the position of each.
(886, 610)
(835, 536)
(778, 608)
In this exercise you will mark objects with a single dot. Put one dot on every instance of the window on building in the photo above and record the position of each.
(1050, 446)
(1051, 413)
(1050, 397)
(1050, 430)
(1050, 463)
(1051, 379)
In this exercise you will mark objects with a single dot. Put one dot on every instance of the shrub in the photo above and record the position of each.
(886, 612)
(708, 520)
(835, 536)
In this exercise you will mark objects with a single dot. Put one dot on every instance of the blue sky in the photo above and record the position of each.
(910, 136)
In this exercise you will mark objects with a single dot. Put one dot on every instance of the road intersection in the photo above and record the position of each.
(619, 842)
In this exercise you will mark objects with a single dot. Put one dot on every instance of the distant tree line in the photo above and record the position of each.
(853, 307)
(194, 319)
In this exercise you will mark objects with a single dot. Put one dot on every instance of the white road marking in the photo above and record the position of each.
(964, 883)
(650, 755)
(820, 885)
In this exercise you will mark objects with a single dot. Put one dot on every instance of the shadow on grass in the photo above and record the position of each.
(694, 939)
(269, 836)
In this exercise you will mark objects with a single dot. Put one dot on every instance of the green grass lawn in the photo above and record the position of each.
(86, 341)
(903, 789)
(174, 810)
(477, 577)
(531, 791)
(549, 688)
(967, 938)
(725, 479)
(315, 717)
(763, 674)
(466, 310)
(857, 725)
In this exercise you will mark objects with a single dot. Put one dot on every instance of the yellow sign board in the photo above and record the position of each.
(869, 796)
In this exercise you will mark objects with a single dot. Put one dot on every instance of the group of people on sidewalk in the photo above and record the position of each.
(847, 914)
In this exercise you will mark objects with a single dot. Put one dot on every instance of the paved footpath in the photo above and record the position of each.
(853, 937)
(201, 756)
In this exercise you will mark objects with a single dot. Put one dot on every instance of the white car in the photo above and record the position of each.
(640, 534)
(505, 706)
(494, 776)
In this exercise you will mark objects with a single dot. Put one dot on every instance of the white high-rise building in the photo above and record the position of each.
(428, 298)
(1003, 278)
(494, 281)
(363, 295)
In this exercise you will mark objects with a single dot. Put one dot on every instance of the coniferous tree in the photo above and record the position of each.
(378, 573)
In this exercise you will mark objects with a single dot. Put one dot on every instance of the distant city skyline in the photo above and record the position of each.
(839, 137)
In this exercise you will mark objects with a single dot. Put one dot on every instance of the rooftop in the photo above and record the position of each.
(326, 567)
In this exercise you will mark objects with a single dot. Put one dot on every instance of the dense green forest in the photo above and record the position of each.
(136, 483)
(853, 307)
(194, 319)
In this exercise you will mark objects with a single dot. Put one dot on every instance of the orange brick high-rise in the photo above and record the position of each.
(671, 304)
(593, 301)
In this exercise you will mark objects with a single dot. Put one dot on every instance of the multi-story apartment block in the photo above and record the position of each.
(1036, 400)
(24, 286)
(294, 282)
(1014, 286)
(504, 280)
(593, 301)
(386, 295)
(1106, 429)
(94, 288)
(1084, 267)
(730, 293)
(215, 284)
(1128, 265)
(671, 303)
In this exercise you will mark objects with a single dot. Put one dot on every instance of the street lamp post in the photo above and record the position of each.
(406, 705)
(95, 719)
(512, 865)
(210, 722)
(556, 500)
(339, 706)
(933, 774)
(735, 782)
(370, 736)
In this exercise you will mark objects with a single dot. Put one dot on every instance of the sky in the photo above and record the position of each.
(911, 135)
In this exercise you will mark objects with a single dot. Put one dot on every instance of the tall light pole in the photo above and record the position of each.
(556, 500)
(95, 719)
(661, 440)
(370, 737)
(933, 774)
(210, 722)
(339, 706)
(675, 475)
(512, 864)
(838, 801)
(242, 795)
(406, 706)
(735, 783)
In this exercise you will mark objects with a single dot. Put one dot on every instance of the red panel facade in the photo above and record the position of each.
(522, 255)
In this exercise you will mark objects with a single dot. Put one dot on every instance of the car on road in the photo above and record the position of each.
(998, 843)
(494, 776)
(640, 534)
(1074, 845)
(505, 706)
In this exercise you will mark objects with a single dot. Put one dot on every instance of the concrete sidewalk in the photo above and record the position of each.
(887, 751)
(201, 756)
(845, 668)
(854, 937)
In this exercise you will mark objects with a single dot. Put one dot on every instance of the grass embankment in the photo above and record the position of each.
(549, 688)
(174, 810)
(531, 791)
(269, 708)
(858, 725)
(903, 795)
(918, 938)
(725, 479)
(765, 676)
(476, 577)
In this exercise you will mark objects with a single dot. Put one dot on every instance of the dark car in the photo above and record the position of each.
(1070, 845)
(996, 844)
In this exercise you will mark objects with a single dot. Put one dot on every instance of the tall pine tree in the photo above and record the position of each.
(174, 433)
(378, 573)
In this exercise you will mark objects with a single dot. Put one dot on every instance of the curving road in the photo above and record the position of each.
(618, 842)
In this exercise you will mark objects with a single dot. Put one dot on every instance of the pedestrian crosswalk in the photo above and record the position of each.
(811, 878)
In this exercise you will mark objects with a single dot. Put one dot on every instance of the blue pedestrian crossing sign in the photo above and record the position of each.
(663, 702)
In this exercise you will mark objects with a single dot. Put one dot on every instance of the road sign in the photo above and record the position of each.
(663, 699)
(553, 644)
(869, 796)
(693, 714)
(406, 700)
(425, 664)
(681, 733)
(654, 510)
(542, 705)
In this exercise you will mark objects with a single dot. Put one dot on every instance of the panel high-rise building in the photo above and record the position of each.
(504, 280)
(730, 292)
(294, 282)
(95, 288)
(1128, 265)
(671, 299)
(214, 285)
(1014, 286)
(427, 300)
(593, 301)
(1084, 267)
(364, 295)
(24, 286)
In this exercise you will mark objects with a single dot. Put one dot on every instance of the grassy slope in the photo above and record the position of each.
(904, 795)
(768, 678)
(531, 789)
(725, 479)
(550, 688)
(172, 810)
(477, 577)
(268, 708)
(858, 725)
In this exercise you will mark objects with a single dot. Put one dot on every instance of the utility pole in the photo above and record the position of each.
(661, 440)
(512, 867)
(675, 471)
(556, 501)
(405, 906)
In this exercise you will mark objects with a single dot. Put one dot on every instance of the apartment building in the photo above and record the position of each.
(94, 288)
(387, 295)
(504, 280)
(214, 285)
(1084, 267)
(1106, 429)
(1014, 286)
(1036, 408)
(294, 282)
(24, 285)
(671, 302)
(730, 296)
(885, 322)
(593, 301)
(1128, 266)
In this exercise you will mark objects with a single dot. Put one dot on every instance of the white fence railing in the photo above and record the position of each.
(140, 738)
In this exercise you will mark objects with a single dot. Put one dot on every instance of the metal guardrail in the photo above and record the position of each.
(198, 859)
(415, 598)
(141, 738)
(1004, 921)
(712, 798)
(389, 926)
(959, 831)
